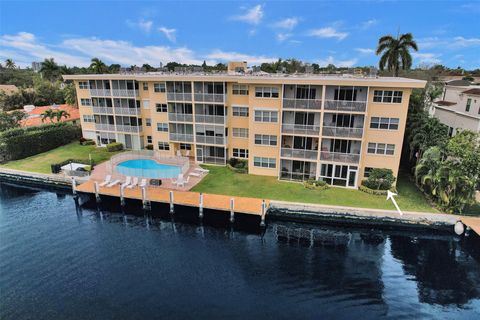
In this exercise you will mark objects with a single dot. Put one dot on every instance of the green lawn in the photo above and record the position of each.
(222, 180)
(41, 162)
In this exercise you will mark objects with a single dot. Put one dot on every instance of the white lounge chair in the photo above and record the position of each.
(178, 181)
(107, 180)
(127, 182)
(187, 154)
(194, 174)
(114, 183)
(143, 183)
(201, 170)
(185, 182)
(134, 183)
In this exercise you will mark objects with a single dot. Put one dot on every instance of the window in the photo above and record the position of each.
(145, 86)
(264, 162)
(83, 85)
(384, 123)
(88, 118)
(240, 132)
(148, 122)
(161, 107)
(240, 90)
(86, 102)
(266, 116)
(265, 139)
(240, 153)
(387, 96)
(266, 92)
(381, 148)
(240, 111)
(159, 87)
(185, 146)
(469, 103)
(163, 145)
(366, 172)
(162, 127)
(146, 104)
(345, 94)
(149, 139)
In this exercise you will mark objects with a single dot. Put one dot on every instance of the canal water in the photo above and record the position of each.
(57, 262)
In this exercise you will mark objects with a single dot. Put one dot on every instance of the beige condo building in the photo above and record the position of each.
(293, 127)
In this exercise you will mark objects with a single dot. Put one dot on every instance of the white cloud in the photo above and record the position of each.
(283, 36)
(253, 15)
(449, 43)
(365, 50)
(337, 63)
(426, 58)
(369, 23)
(328, 32)
(169, 33)
(144, 25)
(235, 56)
(466, 42)
(287, 24)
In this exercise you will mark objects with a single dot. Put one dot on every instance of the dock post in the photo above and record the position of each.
(172, 210)
(122, 199)
(144, 199)
(97, 195)
(74, 187)
(200, 206)
(262, 221)
(232, 211)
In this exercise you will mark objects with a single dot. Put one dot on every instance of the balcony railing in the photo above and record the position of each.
(299, 153)
(287, 175)
(182, 137)
(181, 117)
(300, 128)
(345, 132)
(100, 92)
(340, 105)
(214, 160)
(311, 104)
(173, 96)
(127, 111)
(202, 118)
(104, 127)
(105, 110)
(124, 93)
(340, 157)
(128, 128)
(210, 97)
(211, 139)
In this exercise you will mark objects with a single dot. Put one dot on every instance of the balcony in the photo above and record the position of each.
(310, 104)
(124, 93)
(127, 111)
(128, 128)
(214, 160)
(202, 118)
(209, 97)
(173, 96)
(300, 129)
(181, 137)
(211, 139)
(100, 92)
(340, 157)
(104, 127)
(180, 117)
(104, 110)
(349, 106)
(344, 132)
(299, 153)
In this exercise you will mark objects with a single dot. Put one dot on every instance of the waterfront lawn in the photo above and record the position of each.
(222, 180)
(41, 162)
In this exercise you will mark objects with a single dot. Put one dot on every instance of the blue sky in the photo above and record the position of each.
(344, 33)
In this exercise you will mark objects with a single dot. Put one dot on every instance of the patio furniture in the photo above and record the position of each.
(134, 183)
(114, 183)
(178, 181)
(179, 153)
(127, 182)
(107, 180)
(155, 182)
(187, 154)
(201, 170)
(194, 174)
(143, 183)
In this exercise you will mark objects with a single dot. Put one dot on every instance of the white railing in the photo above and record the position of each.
(214, 160)
(173, 96)
(300, 128)
(299, 153)
(104, 127)
(100, 92)
(287, 175)
(128, 128)
(340, 157)
(210, 97)
(102, 110)
(201, 118)
(341, 105)
(128, 111)
(342, 132)
(210, 139)
(182, 137)
(311, 104)
(124, 93)
(182, 117)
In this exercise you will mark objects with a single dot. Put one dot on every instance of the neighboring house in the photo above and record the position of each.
(295, 127)
(8, 88)
(458, 107)
(34, 115)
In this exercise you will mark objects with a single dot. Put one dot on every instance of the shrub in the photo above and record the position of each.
(376, 192)
(89, 143)
(315, 184)
(82, 140)
(238, 165)
(149, 147)
(379, 179)
(233, 162)
(114, 146)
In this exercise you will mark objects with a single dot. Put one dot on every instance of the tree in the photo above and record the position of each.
(49, 114)
(48, 93)
(70, 94)
(396, 52)
(10, 64)
(98, 67)
(114, 68)
(380, 179)
(10, 120)
(50, 69)
(464, 147)
(59, 114)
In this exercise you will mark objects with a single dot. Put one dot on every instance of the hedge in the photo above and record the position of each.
(315, 184)
(114, 146)
(375, 191)
(20, 143)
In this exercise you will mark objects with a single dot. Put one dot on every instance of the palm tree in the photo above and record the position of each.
(395, 52)
(10, 64)
(49, 114)
(59, 114)
(98, 66)
(50, 69)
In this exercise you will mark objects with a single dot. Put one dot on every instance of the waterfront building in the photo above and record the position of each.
(294, 127)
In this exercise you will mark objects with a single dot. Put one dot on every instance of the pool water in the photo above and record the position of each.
(148, 168)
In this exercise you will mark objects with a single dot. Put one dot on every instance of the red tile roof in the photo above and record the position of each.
(34, 117)
(472, 91)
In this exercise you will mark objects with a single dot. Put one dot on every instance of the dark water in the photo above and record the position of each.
(55, 264)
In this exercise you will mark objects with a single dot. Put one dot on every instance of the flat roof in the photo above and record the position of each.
(258, 79)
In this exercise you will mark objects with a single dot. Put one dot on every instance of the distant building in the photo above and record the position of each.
(34, 114)
(36, 66)
(8, 88)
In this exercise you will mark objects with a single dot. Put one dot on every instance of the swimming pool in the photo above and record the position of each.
(148, 168)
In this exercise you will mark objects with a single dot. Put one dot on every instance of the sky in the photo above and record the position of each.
(344, 33)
